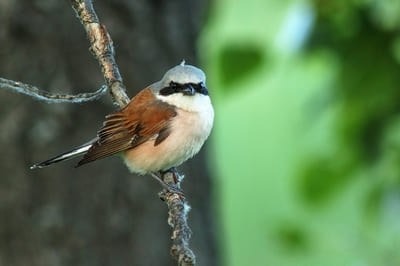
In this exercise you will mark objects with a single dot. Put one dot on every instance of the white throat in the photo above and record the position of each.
(197, 103)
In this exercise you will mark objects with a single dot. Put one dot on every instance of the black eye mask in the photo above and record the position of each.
(189, 89)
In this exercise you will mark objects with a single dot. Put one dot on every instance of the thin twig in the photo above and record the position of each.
(38, 94)
(102, 49)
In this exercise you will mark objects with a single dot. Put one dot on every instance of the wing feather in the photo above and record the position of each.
(130, 127)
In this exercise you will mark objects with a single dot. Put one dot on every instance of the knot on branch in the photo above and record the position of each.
(100, 39)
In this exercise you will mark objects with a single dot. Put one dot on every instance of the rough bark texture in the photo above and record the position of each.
(99, 214)
(177, 219)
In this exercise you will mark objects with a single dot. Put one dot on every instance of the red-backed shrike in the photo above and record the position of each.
(162, 126)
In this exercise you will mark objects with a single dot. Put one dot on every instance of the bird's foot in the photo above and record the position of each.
(175, 175)
(168, 186)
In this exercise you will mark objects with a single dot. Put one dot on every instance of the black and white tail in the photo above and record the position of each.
(64, 156)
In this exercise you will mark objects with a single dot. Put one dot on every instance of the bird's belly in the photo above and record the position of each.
(188, 133)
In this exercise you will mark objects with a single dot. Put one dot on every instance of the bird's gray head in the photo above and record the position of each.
(185, 79)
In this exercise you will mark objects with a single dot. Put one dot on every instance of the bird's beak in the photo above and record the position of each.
(189, 90)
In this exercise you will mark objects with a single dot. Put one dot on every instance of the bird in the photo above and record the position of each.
(161, 127)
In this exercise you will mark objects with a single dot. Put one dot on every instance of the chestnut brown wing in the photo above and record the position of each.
(138, 122)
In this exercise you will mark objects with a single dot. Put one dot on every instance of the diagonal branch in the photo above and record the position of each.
(102, 49)
(50, 97)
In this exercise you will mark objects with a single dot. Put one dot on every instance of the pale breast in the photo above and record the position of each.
(189, 130)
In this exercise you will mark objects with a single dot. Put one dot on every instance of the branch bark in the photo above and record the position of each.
(177, 219)
(50, 97)
(102, 48)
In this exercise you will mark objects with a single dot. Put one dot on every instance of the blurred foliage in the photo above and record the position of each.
(238, 61)
(307, 132)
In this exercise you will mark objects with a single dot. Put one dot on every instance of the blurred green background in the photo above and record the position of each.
(306, 144)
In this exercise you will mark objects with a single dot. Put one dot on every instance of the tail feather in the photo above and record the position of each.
(64, 156)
